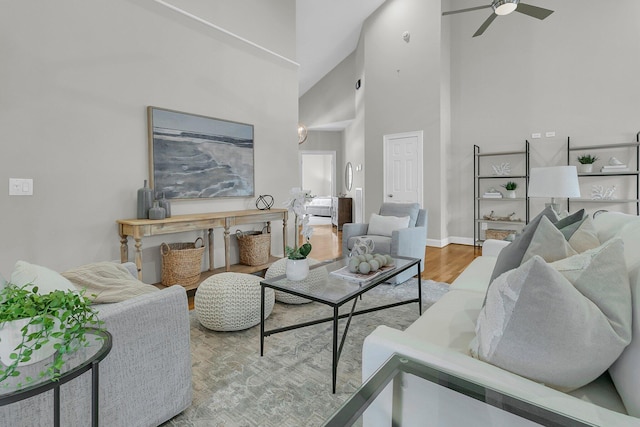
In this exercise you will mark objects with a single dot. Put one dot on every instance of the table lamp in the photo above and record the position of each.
(554, 181)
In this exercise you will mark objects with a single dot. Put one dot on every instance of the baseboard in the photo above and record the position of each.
(450, 240)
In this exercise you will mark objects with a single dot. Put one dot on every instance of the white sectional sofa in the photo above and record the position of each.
(441, 338)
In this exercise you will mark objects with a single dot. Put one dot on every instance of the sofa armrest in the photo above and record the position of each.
(350, 230)
(385, 341)
(492, 247)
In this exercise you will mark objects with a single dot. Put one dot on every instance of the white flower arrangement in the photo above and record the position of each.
(296, 205)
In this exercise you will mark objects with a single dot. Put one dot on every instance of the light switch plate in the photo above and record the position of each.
(20, 187)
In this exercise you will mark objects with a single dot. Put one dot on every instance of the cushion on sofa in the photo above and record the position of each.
(548, 242)
(562, 324)
(380, 225)
(107, 282)
(511, 256)
(44, 278)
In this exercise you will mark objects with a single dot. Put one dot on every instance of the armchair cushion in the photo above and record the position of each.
(400, 210)
(380, 225)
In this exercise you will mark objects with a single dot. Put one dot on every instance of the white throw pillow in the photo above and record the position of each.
(380, 225)
(45, 279)
(561, 324)
(548, 242)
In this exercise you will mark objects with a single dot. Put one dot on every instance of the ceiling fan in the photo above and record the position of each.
(505, 7)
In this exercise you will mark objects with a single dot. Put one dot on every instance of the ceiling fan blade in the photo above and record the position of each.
(465, 10)
(485, 25)
(533, 11)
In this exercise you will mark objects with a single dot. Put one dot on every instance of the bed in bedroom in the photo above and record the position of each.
(319, 206)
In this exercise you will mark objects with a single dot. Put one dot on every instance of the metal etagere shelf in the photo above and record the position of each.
(479, 176)
(633, 173)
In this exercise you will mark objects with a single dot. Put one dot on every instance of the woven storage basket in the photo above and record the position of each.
(254, 247)
(181, 263)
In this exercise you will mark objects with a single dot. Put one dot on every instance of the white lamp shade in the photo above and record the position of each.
(554, 181)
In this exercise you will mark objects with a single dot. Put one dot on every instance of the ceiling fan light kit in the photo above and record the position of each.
(502, 8)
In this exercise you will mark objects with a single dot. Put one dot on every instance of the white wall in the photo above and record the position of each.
(317, 173)
(575, 73)
(75, 82)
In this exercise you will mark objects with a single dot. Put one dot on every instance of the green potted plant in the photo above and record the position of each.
(586, 162)
(297, 264)
(511, 189)
(35, 326)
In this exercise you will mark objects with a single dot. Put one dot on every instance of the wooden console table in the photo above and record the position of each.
(139, 228)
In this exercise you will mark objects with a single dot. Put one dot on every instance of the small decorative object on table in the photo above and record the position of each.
(586, 163)
(363, 246)
(156, 212)
(297, 265)
(264, 202)
(145, 201)
(502, 169)
(165, 204)
(511, 189)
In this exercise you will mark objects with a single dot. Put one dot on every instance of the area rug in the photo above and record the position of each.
(291, 384)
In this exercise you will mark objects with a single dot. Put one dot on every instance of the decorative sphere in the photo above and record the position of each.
(375, 265)
(364, 267)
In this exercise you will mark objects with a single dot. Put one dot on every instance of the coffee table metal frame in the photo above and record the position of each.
(391, 373)
(336, 304)
(46, 384)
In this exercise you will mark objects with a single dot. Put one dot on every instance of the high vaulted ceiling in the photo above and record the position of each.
(327, 31)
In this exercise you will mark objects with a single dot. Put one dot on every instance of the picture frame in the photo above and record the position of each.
(199, 157)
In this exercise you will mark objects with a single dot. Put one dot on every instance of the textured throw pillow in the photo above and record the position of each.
(584, 236)
(107, 282)
(383, 225)
(548, 242)
(45, 279)
(511, 256)
(561, 324)
(569, 224)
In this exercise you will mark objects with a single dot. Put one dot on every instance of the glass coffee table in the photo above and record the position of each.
(87, 358)
(450, 401)
(335, 291)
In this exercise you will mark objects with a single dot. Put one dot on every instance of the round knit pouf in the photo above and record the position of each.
(231, 302)
(316, 279)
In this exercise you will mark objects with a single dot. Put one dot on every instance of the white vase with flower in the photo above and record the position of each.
(297, 263)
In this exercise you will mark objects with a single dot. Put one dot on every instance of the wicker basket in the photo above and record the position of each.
(254, 247)
(181, 263)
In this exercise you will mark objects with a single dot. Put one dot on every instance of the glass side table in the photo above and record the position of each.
(15, 389)
(451, 401)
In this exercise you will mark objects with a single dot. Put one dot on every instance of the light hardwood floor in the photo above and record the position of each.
(441, 264)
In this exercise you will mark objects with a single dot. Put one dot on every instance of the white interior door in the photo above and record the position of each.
(403, 167)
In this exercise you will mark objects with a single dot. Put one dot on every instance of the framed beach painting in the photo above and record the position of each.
(198, 157)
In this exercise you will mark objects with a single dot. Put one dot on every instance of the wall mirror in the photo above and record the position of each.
(348, 176)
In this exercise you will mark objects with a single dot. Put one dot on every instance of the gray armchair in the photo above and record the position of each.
(409, 242)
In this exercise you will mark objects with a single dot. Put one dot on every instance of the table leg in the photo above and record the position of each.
(261, 320)
(227, 249)
(139, 257)
(124, 248)
(334, 370)
(56, 406)
(95, 383)
(419, 291)
(210, 249)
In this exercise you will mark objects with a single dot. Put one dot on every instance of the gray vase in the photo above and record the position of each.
(156, 212)
(145, 200)
(164, 203)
